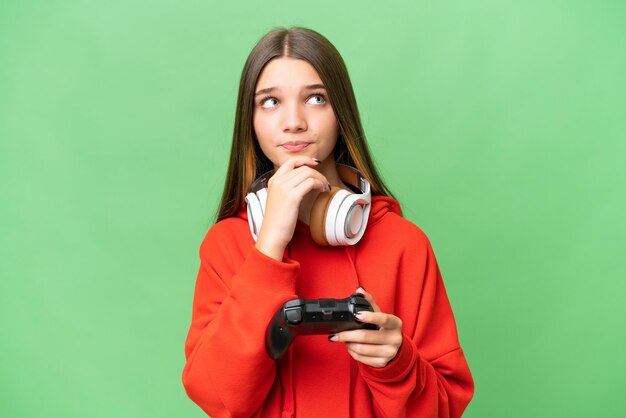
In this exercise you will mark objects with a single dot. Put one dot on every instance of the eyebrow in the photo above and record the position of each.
(309, 87)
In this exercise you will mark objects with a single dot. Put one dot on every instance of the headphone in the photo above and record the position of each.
(338, 217)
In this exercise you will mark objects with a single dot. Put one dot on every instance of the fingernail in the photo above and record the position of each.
(316, 160)
(360, 315)
(332, 338)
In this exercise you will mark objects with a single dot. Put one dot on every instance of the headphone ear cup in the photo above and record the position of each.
(256, 211)
(319, 212)
(350, 220)
(334, 222)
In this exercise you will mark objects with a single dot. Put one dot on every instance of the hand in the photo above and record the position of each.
(285, 190)
(374, 348)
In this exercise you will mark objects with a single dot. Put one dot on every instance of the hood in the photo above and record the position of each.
(381, 205)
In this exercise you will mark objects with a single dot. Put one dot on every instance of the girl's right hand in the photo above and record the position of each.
(286, 189)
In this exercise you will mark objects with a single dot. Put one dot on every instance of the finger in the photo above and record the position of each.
(373, 350)
(378, 362)
(300, 181)
(296, 176)
(365, 336)
(389, 338)
(308, 185)
(383, 320)
(369, 298)
(294, 162)
(288, 181)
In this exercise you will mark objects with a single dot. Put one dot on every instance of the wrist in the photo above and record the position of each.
(273, 249)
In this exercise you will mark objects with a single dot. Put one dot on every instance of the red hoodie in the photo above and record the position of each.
(229, 374)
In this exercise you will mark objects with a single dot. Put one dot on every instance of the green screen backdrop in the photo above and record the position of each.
(499, 125)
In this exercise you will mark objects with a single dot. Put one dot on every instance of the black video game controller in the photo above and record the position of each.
(319, 316)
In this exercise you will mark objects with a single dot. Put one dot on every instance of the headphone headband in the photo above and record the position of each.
(353, 177)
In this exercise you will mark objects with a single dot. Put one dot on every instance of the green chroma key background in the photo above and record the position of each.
(499, 125)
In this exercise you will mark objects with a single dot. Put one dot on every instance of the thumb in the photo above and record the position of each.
(368, 297)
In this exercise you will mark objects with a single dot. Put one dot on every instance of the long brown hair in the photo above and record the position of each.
(246, 158)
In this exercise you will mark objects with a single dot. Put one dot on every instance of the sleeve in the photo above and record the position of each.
(429, 377)
(228, 372)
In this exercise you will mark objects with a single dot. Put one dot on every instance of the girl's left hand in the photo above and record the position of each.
(374, 348)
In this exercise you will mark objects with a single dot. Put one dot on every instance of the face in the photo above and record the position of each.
(292, 114)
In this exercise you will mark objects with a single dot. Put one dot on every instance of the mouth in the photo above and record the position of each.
(295, 146)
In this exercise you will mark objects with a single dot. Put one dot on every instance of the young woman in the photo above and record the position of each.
(297, 115)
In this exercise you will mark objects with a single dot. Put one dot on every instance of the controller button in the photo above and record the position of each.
(327, 314)
(294, 303)
(294, 316)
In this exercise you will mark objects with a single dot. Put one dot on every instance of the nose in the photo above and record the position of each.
(294, 118)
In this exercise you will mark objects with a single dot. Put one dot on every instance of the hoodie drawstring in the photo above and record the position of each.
(286, 374)
(351, 253)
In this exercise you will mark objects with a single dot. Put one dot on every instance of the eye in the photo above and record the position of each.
(317, 99)
(268, 102)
